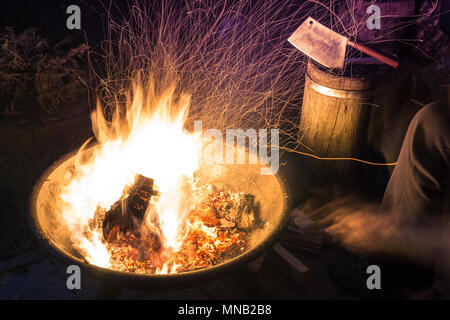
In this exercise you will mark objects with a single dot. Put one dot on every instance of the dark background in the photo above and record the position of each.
(50, 16)
(19, 170)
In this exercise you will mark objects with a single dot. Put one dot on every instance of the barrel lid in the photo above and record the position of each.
(353, 77)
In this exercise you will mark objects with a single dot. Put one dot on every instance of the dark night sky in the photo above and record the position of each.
(50, 17)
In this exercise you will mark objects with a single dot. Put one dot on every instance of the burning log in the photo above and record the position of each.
(233, 210)
(215, 231)
(246, 216)
(128, 213)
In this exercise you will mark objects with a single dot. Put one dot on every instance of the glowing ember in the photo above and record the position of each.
(134, 205)
(214, 232)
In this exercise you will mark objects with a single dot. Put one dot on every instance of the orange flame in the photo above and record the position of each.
(151, 141)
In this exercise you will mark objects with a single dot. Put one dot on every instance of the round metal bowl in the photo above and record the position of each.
(269, 191)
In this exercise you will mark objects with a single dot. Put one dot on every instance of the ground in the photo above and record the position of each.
(38, 276)
(18, 174)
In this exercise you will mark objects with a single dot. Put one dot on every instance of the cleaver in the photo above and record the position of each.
(328, 47)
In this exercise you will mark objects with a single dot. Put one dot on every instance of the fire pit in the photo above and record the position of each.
(269, 195)
(145, 206)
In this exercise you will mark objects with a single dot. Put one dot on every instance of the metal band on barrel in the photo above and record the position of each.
(338, 93)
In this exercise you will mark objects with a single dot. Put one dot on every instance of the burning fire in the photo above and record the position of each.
(148, 142)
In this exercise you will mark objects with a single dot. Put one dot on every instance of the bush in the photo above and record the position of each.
(37, 79)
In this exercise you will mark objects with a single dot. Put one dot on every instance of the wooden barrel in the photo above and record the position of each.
(333, 123)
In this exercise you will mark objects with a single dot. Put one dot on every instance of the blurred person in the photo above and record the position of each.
(418, 192)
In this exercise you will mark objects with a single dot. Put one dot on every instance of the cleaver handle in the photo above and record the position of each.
(379, 56)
